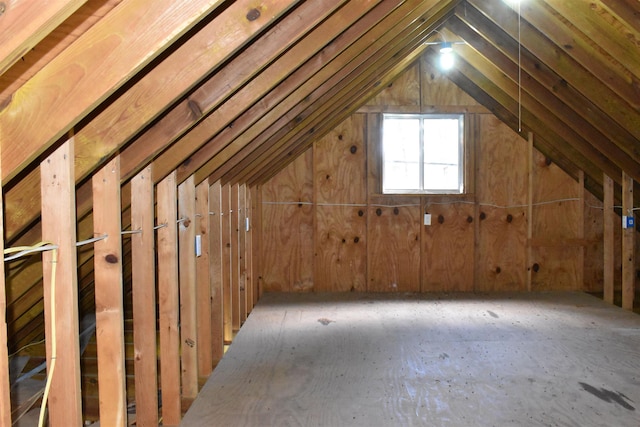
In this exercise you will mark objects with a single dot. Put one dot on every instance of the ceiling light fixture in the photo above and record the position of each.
(446, 56)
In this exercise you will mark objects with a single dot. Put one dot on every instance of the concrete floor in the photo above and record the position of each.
(548, 359)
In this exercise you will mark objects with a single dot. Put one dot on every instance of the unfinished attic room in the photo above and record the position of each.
(320, 213)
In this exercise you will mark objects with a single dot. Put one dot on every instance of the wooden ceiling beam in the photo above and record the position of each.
(114, 126)
(305, 115)
(87, 72)
(539, 84)
(535, 114)
(24, 26)
(256, 89)
(222, 85)
(284, 103)
(627, 11)
(575, 85)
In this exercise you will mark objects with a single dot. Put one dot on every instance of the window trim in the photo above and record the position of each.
(462, 154)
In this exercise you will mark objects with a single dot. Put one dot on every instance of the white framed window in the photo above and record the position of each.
(423, 154)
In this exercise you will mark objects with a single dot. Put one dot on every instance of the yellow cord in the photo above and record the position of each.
(54, 262)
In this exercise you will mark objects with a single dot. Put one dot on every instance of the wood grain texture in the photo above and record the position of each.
(438, 91)
(339, 158)
(5, 398)
(404, 91)
(204, 287)
(215, 271)
(109, 294)
(225, 213)
(169, 300)
(95, 66)
(59, 227)
(447, 246)
(340, 249)
(594, 258)
(441, 359)
(143, 289)
(393, 247)
(188, 288)
(628, 245)
(24, 26)
(287, 231)
(235, 258)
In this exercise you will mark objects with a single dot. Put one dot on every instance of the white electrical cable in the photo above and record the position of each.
(92, 240)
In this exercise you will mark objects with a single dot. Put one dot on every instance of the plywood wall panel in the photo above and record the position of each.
(447, 247)
(340, 249)
(437, 90)
(287, 229)
(339, 163)
(393, 254)
(403, 92)
(594, 248)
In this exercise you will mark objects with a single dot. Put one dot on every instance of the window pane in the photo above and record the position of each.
(401, 154)
(442, 154)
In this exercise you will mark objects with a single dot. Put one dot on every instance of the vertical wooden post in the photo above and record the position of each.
(203, 278)
(242, 255)
(109, 295)
(188, 300)
(168, 300)
(143, 273)
(225, 212)
(235, 259)
(530, 210)
(580, 236)
(215, 269)
(5, 397)
(609, 240)
(257, 245)
(628, 245)
(59, 227)
(248, 282)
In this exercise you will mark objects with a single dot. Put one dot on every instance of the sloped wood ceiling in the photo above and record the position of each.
(234, 90)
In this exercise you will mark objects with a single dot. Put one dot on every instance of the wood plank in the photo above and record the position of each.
(628, 245)
(257, 245)
(109, 294)
(168, 300)
(271, 77)
(143, 275)
(24, 26)
(608, 239)
(117, 124)
(61, 290)
(530, 172)
(242, 252)
(108, 45)
(203, 281)
(235, 259)
(5, 398)
(250, 260)
(487, 360)
(286, 250)
(188, 288)
(225, 213)
(215, 269)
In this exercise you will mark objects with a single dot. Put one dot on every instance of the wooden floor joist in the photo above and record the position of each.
(109, 295)
(168, 300)
(144, 298)
(61, 290)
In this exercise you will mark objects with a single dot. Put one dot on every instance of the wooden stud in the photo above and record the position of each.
(215, 262)
(144, 299)
(61, 292)
(225, 212)
(242, 252)
(188, 289)
(109, 295)
(203, 281)
(5, 398)
(248, 283)
(581, 233)
(529, 209)
(257, 245)
(609, 239)
(235, 258)
(168, 300)
(628, 245)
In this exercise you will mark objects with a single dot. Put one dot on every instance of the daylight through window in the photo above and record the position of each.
(423, 153)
